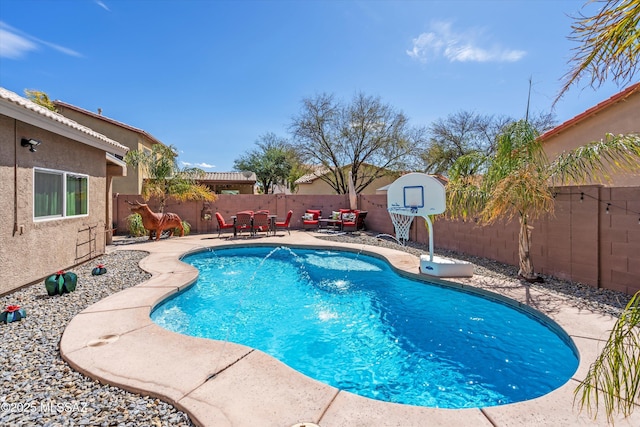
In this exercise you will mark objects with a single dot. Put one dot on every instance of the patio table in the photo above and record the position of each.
(325, 223)
(272, 225)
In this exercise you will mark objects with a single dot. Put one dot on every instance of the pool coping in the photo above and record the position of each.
(225, 384)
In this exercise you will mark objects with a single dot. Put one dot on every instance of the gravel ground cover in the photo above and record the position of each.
(39, 388)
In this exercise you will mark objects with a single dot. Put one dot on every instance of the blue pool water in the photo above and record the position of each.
(350, 321)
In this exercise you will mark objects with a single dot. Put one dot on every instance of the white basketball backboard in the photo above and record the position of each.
(417, 194)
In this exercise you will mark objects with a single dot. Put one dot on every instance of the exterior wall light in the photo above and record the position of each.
(31, 143)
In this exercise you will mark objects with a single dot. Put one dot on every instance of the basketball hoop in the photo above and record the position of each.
(411, 195)
(401, 223)
(401, 219)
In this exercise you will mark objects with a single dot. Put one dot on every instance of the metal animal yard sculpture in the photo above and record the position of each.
(157, 222)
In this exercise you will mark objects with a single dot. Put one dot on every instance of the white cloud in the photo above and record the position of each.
(102, 5)
(205, 166)
(197, 165)
(59, 48)
(442, 41)
(15, 44)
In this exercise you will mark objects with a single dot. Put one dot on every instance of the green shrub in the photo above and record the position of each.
(187, 229)
(136, 229)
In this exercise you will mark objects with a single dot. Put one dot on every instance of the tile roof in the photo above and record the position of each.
(11, 101)
(310, 177)
(106, 119)
(229, 176)
(621, 96)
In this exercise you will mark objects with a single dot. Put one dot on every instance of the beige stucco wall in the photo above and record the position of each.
(132, 183)
(40, 248)
(318, 186)
(620, 118)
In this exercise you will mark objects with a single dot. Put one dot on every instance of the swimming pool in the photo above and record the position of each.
(350, 321)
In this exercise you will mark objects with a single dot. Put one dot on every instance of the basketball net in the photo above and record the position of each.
(401, 224)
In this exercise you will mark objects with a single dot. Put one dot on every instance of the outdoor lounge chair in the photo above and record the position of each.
(285, 223)
(350, 221)
(311, 219)
(222, 224)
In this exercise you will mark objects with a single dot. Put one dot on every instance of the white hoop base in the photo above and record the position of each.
(445, 267)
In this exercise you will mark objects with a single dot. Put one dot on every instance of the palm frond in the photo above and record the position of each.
(596, 161)
(517, 147)
(609, 44)
(523, 192)
(465, 197)
(614, 377)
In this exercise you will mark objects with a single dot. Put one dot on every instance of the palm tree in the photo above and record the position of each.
(515, 181)
(165, 179)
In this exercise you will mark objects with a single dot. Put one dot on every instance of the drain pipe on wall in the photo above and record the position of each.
(15, 180)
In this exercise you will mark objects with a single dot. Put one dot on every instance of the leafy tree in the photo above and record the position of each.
(365, 136)
(164, 178)
(516, 179)
(465, 132)
(272, 161)
(40, 98)
(609, 44)
(459, 134)
(297, 171)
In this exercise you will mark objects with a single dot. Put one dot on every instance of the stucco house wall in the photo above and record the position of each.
(31, 248)
(318, 186)
(129, 136)
(619, 114)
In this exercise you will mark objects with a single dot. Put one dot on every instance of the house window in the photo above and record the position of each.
(60, 194)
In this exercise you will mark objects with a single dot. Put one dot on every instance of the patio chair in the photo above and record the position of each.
(222, 224)
(285, 223)
(311, 219)
(243, 222)
(261, 222)
(350, 221)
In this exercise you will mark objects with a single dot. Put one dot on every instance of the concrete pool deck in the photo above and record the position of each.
(224, 384)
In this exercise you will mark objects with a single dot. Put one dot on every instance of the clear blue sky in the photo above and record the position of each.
(211, 77)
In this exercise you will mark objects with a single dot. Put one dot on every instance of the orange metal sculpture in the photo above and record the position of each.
(157, 222)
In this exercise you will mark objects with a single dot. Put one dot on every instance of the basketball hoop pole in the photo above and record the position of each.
(430, 226)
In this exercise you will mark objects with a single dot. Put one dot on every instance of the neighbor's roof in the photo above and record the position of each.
(317, 172)
(230, 177)
(310, 177)
(19, 108)
(621, 96)
(58, 103)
